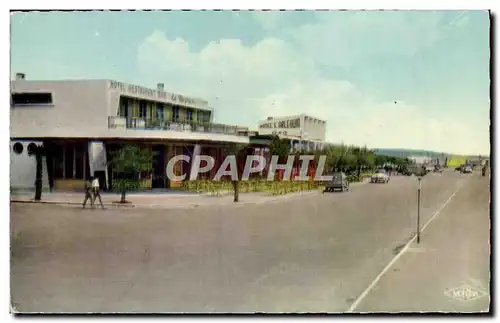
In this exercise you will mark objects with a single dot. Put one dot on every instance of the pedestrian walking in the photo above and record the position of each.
(88, 193)
(96, 190)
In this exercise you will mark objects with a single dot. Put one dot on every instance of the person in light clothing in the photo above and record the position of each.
(96, 190)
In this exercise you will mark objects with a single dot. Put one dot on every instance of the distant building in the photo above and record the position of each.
(420, 160)
(303, 131)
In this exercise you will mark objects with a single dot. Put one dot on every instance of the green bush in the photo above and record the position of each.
(251, 186)
(130, 185)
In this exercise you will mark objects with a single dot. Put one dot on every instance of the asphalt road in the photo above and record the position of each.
(312, 254)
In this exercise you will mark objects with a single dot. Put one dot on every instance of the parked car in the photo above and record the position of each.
(380, 176)
(429, 168)
(467, 169)
(338, 182)
(438, 169)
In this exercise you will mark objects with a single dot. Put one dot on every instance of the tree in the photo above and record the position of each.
(37, 151)
(364, 159)
(380, 160)
(279, 147)
(239, 151)
(128, 162)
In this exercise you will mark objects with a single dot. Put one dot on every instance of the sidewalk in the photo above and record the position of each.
(167, 201)
(170, 200)
(449, 271)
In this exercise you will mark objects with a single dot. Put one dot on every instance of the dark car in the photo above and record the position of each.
(338, 182)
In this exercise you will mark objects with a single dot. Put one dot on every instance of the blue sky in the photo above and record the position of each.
(347, 67)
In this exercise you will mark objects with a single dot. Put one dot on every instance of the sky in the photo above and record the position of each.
(384, 79)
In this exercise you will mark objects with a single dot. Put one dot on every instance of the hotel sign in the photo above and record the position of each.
(283, 124)
(151, 94)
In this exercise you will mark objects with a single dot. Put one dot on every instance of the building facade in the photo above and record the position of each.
(81, 121)
(304, 132)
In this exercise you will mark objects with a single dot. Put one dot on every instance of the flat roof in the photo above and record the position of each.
(270, 118)
(135, 91)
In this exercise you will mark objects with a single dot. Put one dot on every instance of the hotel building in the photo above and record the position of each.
(80, 122)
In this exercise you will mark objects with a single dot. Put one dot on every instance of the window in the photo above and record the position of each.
(159, 112)
(142, 110)
(69, 160)
(32, 148)
(206, 116)
(175, 114)
(31, 98)
(58, 158)
(79, 160)
(18, 148)
(189, 115)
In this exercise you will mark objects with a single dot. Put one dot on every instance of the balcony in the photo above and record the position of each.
(148, 124)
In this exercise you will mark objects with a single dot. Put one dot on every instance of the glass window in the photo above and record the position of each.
(159, 112)
(175, 113)
(206, 116)
(79, 160)
(69, 159)
(142, 110)
(31, 98)
(58, 161)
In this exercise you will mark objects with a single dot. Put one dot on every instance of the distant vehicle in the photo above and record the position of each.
(380, 176)
(438, 169)
(406, 172)
(338, 182)
(467, 169)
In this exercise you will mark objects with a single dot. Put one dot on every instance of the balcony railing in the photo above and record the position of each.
(189, 126)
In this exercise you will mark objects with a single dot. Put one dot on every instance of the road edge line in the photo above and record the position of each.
(396, 258)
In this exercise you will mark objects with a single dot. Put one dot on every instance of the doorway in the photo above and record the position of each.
(159, 179)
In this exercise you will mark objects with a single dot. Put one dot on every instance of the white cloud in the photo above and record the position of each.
(345, 38)
(247, 83)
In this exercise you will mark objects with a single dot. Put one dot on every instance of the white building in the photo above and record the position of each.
(80, 121)
(420, 160)
(304, 131)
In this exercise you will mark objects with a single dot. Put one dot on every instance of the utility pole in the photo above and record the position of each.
(418, 207)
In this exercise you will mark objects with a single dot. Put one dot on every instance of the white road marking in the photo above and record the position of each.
(395, 259)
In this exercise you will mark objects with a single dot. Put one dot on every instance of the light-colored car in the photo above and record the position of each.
(467, 169)
(380, 176)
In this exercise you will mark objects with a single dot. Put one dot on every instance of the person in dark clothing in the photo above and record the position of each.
(88, 193)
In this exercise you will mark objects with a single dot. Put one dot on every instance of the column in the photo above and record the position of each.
(196, 152)
(97, 158)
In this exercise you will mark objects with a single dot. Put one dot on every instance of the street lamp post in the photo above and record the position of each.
(418, 207)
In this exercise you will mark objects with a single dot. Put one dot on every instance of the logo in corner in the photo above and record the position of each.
(466, 293)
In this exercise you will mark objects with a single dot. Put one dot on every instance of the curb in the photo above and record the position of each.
(166, 206)
(128, 205)
(267, 199)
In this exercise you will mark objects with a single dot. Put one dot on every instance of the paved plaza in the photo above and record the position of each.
(309, 253)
